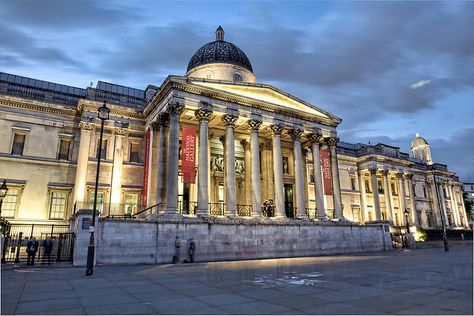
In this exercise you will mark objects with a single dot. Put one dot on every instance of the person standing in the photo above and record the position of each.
(31, 249)
(48, 248)
(177, 253)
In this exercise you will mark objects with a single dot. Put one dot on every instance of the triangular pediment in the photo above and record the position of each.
(263, 93)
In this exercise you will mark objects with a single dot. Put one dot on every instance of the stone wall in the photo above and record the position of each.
(133, 242)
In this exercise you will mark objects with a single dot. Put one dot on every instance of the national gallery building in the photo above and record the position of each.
(211, 143)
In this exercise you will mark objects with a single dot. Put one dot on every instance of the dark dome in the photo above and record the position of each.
(220, 51)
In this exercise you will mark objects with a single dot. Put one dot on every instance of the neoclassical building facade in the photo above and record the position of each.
(213, 142)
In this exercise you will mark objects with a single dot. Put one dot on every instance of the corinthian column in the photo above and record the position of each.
(316, 139)
(255, 172)
(363, 196)
(411, 191)
(443, 205)
(175, 110)
(159, 126)
(388, 196)
(401, 184)
(203, 116)
(299, 175)
(230, 192)
(375, 191)
(116, 187)
(332, 142)
(82, 161)
(278, 171)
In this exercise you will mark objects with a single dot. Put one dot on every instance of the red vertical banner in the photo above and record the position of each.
(145, 169)
(188, 155)
(326, 165)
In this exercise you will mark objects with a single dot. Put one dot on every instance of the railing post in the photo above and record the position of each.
(32, 228)
(60, 247)
(52, 230)
(17, 256)
(4, 250)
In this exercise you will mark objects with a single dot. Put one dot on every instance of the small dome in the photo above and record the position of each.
(220, 51)
(418, 141)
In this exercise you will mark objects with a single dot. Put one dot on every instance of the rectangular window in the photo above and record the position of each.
(64, 145)
(367, 186)
(429, 218)
(131, 203)
(394, 189)
(103, 149)
(355, 214)
(424, 192)
(134, 152)
(221, 192)
(58, 204)
(380, 186)
(100, 201)
(353, 184)
(10, 202)
(18, 144)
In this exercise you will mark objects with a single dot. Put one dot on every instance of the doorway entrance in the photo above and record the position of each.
(289, 209)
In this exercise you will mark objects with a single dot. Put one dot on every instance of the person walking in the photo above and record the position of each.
(31, 249)
(177, 253)
(48, 248)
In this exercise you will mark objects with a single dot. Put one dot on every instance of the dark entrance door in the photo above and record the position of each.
(183, 200)
(289, 209)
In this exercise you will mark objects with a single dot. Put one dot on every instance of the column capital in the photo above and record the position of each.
(295, 133)
(373, 170)
(175, 109)
(276, 129)
(229, 119)
(266, 145)
(399, 175)
(316, 137)
(254, 125)
(384, 172)
(361, 172)
(87, 126)
(332, 141)
(408, 176)
(245, 144)
(155, 125)
(203, 114)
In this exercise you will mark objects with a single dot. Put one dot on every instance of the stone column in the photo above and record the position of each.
(268, 187)
(443, 205)
(401, 191)
(299, 175)
(316, 139)
(278, 171)
(158, 126)
(363, 196)
(454, 209)
(175, 110)
(116, 187)
(255, 172)
(463, 209)
(375, 192)
(388, 196)
(82, 161)
(230, 192)
(332, 142)
(247, 172)
(435, 194)
(414, 218)
(203, 116)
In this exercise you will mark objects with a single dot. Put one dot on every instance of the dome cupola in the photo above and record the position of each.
(421, 149)
(220, 60)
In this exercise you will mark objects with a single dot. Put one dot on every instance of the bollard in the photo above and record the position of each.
(17, 257)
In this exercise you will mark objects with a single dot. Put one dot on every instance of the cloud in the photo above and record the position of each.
(419, 84)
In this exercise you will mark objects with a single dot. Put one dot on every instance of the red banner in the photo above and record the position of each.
(188, 155)
(326, 164)
(145, 169)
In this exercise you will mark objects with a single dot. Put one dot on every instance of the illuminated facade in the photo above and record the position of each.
(255, 145)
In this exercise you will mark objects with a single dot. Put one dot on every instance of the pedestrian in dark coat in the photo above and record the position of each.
(48, 248)
(31, 249)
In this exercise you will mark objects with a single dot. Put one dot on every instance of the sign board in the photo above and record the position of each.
(189, 154)
(145, 169)
(326, 167)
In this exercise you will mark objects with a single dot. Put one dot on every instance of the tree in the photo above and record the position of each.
(469, 205)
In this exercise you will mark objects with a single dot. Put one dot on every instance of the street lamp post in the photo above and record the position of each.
(103, 114)
(445, 237)
(406, 213)
(3, 194)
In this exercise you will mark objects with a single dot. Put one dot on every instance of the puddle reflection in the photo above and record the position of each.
(288, 279)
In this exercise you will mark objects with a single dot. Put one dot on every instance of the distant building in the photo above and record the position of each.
(255, 144)
(469, 189)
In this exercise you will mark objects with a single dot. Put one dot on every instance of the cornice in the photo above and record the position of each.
(115, 110)
(36, 106)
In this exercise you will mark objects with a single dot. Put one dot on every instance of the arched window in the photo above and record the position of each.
(237, 77)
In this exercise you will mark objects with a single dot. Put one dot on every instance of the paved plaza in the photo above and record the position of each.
(424, 281)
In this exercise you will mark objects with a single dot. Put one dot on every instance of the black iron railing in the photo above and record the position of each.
(187, 207)
(311, 213)
(154, 209)
(244, 210)
(217, 209)
(330, 213)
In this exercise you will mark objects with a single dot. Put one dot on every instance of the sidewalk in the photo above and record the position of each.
(424, 281)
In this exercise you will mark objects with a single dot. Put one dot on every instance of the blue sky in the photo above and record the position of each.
(388, 69)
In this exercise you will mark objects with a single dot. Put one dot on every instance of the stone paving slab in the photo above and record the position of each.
(423, 281)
